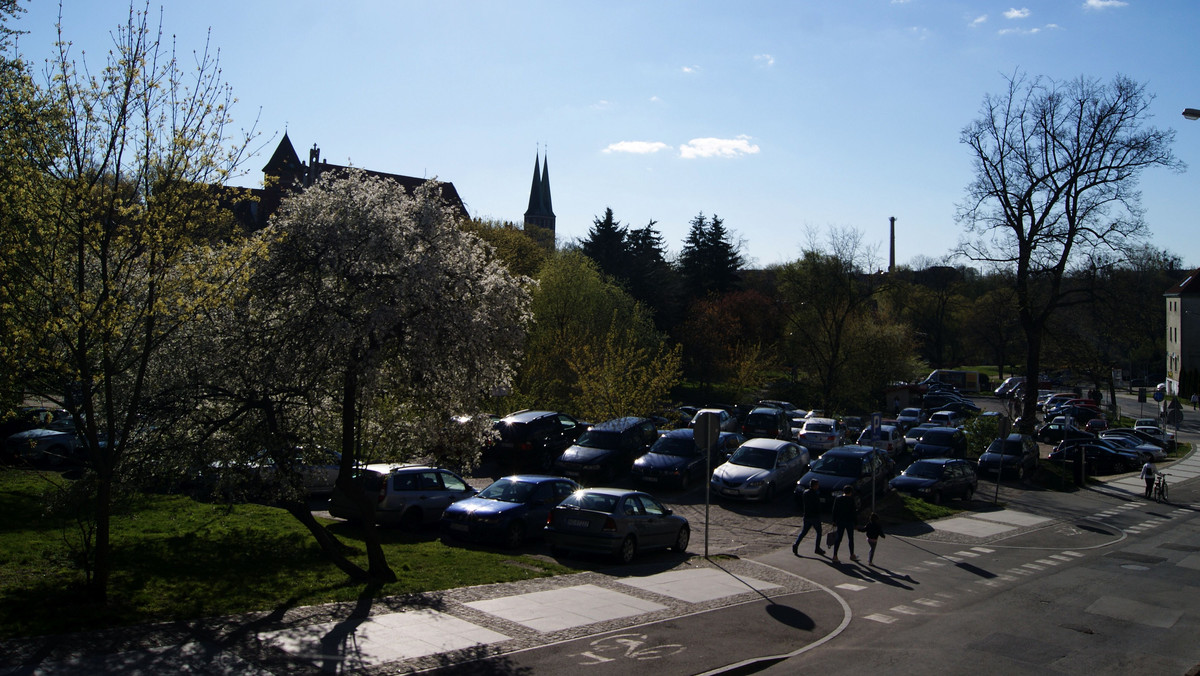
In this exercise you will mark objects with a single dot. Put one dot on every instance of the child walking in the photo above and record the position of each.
(874, 531)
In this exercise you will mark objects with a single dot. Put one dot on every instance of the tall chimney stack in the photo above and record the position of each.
(892, 252)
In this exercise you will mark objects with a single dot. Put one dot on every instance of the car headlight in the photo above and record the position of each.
(754, 484)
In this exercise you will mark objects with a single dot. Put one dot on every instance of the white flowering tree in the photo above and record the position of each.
(376, 327)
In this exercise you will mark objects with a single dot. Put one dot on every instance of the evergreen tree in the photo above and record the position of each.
(606, 244)
(649, 277)
(710, 260)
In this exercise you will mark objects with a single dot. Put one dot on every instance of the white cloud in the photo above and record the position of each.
(717, 147)
(1103, 4)
(765, 59)
(1028, 31)
(636, 147)
(601, 105)
(919, 32)
(655, 99)
(1015, 13)
(979, 21)
(690, 69)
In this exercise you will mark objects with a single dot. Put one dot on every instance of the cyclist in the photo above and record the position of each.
(1149, 471)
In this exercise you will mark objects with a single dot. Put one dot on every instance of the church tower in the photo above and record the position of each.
(541, 210)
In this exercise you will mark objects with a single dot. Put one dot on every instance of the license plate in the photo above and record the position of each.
(731, 491)
(460, 527)
(577, 523)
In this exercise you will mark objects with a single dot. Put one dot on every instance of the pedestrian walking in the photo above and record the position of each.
(873, 531)
(845, 518)
(810, 501)
(1195, 400)
(1149, 471)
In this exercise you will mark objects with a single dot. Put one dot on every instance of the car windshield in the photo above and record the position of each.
(749, 456)
(838, 465)
(507, 490)
(910, 413)
(924, 470)
(600, 439)
(680, 446)
(760, 420)
(1004, 448)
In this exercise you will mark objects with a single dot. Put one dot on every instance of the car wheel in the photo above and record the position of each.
(547, 462)
(769, 493)
(682, 539)
(936, 498)
(628, 550)
(515, 535)
(1020, 472)
(969, 494)
(685, 481)
(558, 552)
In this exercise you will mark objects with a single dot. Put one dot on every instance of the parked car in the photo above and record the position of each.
(759, 468)
(725, 420)
(408, 495)
(1098, 459)
(1060, 428)
(891, 440)
(1139, 454)
(1007, 387)
(947, 418)
(675, 460)
(908, 418)
(1138, 435)
(607, 450)
(532, 439)
(1055, 400)
(1145, 450)
(508, 511)
(913, 434)
(316, 470)
(787, 406)
(819, 435)
(964, 408)
(1016, 455)
(941, 442)
(1096, 425)
(865, 468)
(29, 418)
(54, 444)
(937, 479)
(768, 422)
(853, 425)
(614, 521)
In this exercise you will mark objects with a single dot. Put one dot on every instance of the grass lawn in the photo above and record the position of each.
(175, 558)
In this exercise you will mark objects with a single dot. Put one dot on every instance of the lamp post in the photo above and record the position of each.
(1191, 113)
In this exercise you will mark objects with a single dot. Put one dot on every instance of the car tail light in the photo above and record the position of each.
(610, 526)
(526, 446)
(550, 518)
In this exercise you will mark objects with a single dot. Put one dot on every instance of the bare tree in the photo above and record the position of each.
(1056, 169)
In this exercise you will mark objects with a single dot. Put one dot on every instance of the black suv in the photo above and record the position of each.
(1016, 455)
(532, 439)
(607, 450)
(769, 422)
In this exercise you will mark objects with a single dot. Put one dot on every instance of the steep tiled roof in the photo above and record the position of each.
(1188, 286)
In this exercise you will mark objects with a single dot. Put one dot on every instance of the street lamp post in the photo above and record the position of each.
(1191, 113)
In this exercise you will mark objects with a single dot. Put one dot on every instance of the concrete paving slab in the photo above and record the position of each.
(1130, 610)
(557, 609)
(1190, 561)
(1013, 517)
(382, 638)
(696, 586)
(964, 525)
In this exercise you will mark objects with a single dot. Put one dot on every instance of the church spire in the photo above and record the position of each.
(541, 211)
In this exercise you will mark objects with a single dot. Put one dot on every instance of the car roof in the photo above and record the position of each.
(616, 492)
(771, 410)
(851, 450)
(768, 444)
(618, 424)
(533, 478)
(526, 415)
(939, 461)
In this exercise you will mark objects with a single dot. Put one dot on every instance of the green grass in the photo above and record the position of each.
(175, 558)
(898, 507)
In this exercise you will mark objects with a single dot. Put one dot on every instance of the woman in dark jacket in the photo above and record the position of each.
(874, 531)
(845, 519)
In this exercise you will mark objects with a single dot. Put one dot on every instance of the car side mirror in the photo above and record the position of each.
(667, 511)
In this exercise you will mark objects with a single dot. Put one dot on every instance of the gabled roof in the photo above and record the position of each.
(1189, 286)
(284, 159)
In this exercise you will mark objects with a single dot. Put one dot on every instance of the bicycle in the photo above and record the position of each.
(1160, 487)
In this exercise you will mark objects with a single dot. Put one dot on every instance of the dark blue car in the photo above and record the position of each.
(507, 511)
(675, 461)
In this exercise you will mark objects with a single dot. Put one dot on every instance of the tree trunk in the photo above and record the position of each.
(378, 568)
(335, 549)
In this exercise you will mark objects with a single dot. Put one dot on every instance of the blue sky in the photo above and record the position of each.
(780, 117)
